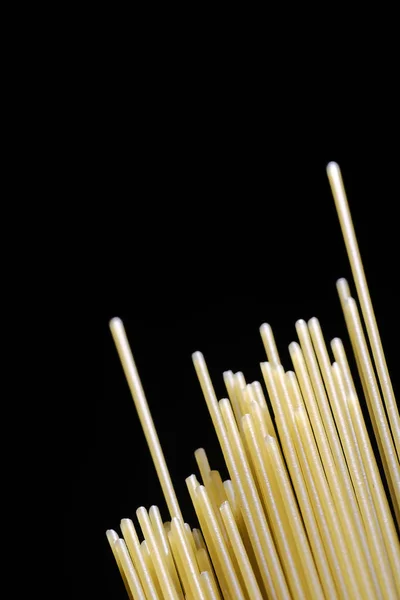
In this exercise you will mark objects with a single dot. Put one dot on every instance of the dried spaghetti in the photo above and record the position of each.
(304, 513)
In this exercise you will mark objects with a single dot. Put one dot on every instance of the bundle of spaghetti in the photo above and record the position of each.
(304, 513)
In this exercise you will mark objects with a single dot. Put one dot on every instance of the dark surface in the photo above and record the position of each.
(198, 250)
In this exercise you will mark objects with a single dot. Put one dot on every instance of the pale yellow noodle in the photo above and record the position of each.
(378, 493)
(198, 539)
(209, 484)
(162, 539)
(146, 420)
(188, 559)
(159, 560)
(132, 578)
(342, 206)
(112, 537)
(295, 470)
(355, 587)
(319, 535)
(276, 514)
(344, 295)
(132, 542)
(295, 521)
(365, 562)
(192, 485)
(280, 586)
(204, 563)
(269, 566)
(252, 588)
(256, 393)
(268, 339)
(231, 577)
(368, 459)
(375, 403)
(209, 586)
(385, 586)
(180, 564)
(229, 381)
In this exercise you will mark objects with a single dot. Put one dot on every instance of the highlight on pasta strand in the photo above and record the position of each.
(304, 513)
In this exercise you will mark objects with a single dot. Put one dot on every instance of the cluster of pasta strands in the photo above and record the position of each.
(304, 514)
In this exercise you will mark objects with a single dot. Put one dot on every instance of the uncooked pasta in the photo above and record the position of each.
(304, 513)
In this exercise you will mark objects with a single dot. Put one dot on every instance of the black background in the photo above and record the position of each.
(207, 235)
